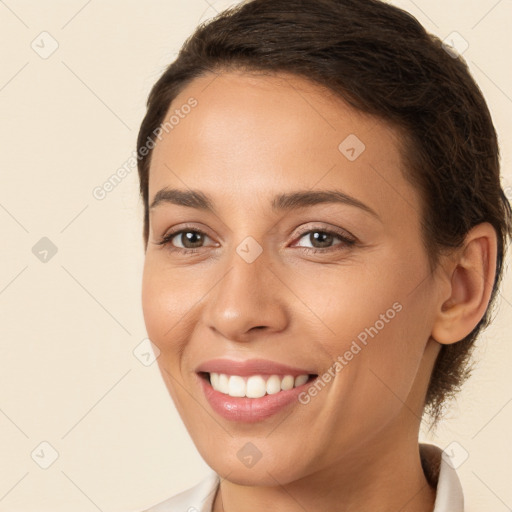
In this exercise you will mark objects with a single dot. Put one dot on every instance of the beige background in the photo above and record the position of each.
(69, 326)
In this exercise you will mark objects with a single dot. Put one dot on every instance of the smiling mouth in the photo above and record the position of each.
(254, 386)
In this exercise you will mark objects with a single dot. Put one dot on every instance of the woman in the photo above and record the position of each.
(324, 235)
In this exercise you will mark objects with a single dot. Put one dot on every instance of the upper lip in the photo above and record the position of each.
(250, 367)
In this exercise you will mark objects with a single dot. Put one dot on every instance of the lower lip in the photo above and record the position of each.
(249, 410)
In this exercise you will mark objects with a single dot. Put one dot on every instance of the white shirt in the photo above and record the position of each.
(449, 496)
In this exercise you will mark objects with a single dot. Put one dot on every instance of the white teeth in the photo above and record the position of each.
(287, 383)
(223, 384)
(254, 386)
(236, 386)
(273, 384)
(301, 379)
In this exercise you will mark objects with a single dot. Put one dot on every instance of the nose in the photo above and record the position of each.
(248, 298)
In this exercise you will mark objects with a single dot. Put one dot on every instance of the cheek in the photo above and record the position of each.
(376, 371)
(378, 328)
(347, 300)
(167, 302)
(168, 309)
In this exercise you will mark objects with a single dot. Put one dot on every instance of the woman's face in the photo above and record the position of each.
(337, 288)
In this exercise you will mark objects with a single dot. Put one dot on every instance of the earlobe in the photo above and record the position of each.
(471, 282)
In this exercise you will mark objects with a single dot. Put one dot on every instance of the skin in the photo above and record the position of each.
(355, 445)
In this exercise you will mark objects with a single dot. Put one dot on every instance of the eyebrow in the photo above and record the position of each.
(281, 202)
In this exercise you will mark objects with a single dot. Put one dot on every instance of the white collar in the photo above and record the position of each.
(449, 496)
(441, 474)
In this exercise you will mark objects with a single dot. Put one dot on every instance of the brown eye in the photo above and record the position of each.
(321, 240)
(190, 239)
(185, 240)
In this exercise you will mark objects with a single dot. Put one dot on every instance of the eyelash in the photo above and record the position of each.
(345, 240)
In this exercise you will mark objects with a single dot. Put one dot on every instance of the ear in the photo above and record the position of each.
(471, 276)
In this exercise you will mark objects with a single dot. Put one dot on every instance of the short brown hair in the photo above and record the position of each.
(380, 60)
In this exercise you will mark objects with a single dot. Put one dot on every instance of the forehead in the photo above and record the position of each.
(258, 134)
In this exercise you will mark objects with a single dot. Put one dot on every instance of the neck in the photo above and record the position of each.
(384, 475)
